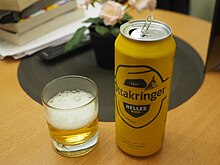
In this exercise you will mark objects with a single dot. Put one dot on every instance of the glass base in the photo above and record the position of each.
(76, 150)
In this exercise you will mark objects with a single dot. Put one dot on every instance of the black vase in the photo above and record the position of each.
(104, 49)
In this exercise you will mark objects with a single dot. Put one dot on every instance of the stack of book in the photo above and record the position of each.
(23, 21)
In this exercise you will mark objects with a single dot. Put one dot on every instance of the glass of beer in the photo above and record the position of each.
(71, 106)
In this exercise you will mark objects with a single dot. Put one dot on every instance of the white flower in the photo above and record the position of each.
(111, 12)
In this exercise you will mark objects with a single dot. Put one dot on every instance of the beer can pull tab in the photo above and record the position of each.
(144, 30)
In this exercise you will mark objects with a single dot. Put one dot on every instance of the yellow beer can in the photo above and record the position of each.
(143, 74)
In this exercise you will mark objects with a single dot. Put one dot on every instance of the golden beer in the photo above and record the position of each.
(73, 137)
(143, 74)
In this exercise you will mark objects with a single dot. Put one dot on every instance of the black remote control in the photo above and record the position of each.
(51, 53)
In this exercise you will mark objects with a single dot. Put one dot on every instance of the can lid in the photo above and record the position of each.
(157, 30)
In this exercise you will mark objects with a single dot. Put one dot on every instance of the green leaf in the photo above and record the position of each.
(76, 39)
(95, 21)
(115, 31)
(126, 18)
(102, 30)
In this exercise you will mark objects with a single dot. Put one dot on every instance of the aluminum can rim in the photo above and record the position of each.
(131, 26)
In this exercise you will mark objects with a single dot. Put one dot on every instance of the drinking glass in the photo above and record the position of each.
(71, 108)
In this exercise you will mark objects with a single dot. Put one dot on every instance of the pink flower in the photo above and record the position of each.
(143, 4)
(111, 12)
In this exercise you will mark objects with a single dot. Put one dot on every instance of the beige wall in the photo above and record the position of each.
(202, 8)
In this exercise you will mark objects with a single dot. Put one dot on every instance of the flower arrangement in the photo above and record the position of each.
(113, 13)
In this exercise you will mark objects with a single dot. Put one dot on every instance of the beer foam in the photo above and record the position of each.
(69, 112)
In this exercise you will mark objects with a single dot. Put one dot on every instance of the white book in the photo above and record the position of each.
(39, 18)
(28, 36)
(15, 5)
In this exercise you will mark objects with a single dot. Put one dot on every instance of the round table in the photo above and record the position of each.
(192, 130)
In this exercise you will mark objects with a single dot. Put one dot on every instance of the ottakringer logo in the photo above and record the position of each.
(140, 92)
